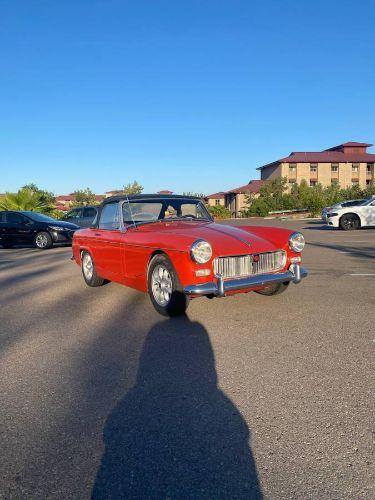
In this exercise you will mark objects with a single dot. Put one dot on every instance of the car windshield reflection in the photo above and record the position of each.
(145, 212)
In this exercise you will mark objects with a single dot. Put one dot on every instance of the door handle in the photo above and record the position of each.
(97, 234)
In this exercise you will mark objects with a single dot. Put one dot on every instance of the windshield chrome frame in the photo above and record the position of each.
(367, 201)
(124, 228)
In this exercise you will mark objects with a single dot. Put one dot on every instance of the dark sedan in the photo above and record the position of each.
(25, 227)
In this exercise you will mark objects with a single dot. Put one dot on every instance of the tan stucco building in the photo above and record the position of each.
(215, 199)
(348, 164)
(235, 199)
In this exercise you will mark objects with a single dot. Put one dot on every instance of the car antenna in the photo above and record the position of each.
(130, 210)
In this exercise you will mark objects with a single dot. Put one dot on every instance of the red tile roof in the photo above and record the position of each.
(64, 197)
(332, 155)
(165, 192)
(71, 197)
(328, 156)
(351, 145)
(216, 196)
(252, 187)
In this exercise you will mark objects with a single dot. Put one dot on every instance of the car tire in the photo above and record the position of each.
(43, 240)
(89, 271)
(164, 287)
(348, 222)
(275, 289)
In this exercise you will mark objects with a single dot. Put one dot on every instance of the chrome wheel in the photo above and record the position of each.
(87, 266)
(161, 285)
(41, 240)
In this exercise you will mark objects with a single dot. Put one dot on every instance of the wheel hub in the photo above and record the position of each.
(161, 285)
(87, 266)
(41, 240)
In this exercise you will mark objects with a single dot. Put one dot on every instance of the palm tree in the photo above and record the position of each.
(25, 199)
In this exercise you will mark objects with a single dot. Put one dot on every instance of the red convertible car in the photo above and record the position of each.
(170, 247)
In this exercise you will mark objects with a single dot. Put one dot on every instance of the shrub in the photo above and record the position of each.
(219, 211)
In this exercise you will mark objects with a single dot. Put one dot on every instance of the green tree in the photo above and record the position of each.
(83, 197)
(258, 208)
(196, 195)
(133, 188)
(46, 196)
(25, 199)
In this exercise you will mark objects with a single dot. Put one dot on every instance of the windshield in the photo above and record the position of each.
(367, 201)
(144, 211)
(38, 217)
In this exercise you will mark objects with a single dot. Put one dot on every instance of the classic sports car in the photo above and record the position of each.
(170, 247)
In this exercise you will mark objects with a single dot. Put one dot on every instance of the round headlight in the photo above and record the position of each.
(201, 251)
(297, 242)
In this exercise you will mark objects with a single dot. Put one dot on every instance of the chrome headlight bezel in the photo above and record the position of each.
(296, 242)
(198, 254)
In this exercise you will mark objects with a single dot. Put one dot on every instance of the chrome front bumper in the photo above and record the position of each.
(219, 289)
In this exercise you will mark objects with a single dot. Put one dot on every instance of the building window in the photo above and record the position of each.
(368, 182)
(334, 182)
(355, 168)
(292, 169)
(217, 202)
(369, 168)
(334, 167)
(355, 183)
(314, 168)
(292, 181)
(313, 183)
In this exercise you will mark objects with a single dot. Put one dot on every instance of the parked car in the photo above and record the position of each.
(170, 247)
(82, 216)
(354, 217)
(342, 204)
(18, 227)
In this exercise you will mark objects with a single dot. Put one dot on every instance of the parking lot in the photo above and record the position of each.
(247, 396)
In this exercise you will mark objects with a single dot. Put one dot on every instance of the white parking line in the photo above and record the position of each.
(361, 274)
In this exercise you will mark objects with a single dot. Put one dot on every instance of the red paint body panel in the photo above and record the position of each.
(124, 256)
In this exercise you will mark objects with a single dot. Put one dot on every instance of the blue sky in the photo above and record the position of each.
(184, 95)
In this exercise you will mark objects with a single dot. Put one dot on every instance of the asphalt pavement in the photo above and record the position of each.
(246, 397)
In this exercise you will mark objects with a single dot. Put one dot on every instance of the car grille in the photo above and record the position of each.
(238, 266)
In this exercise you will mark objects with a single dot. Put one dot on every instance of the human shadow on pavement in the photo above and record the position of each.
(176, 434)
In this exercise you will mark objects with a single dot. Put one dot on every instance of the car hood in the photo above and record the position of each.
(343, 210)
(225, 240)
(63, 224)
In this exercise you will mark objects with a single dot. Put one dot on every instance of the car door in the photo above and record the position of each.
(3, 227)
(108, 249)
(89, 214)
(368, 214)
(20, 229)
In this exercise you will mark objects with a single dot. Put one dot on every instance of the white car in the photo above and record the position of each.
(354, 217)
(342, 204)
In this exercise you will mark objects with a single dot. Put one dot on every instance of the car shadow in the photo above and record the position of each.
(33, 247)
(367, 253)
(175, 434)
(318, 226)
